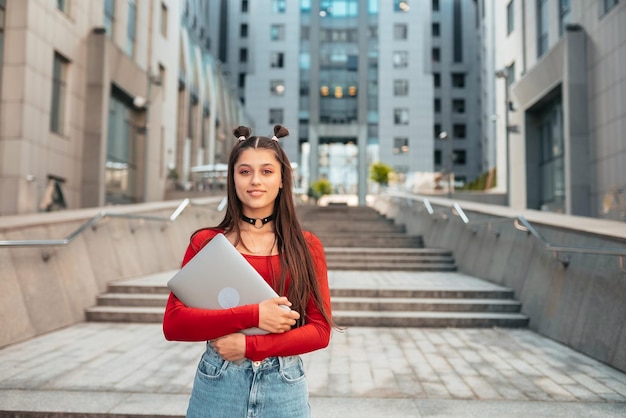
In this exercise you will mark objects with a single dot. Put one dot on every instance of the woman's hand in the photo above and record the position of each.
(275, 318)
(230, 347)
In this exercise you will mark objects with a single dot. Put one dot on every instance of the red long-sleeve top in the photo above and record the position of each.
(183, 323)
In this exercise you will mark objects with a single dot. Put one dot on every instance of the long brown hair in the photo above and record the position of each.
(295, 258)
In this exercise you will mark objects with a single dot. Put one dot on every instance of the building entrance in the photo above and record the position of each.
(338, 162)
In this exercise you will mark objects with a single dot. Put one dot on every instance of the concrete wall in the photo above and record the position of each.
(39, 295)
(581, 305)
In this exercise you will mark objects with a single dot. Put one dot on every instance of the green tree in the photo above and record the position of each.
(379, 173)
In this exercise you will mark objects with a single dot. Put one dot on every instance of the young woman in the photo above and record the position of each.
(258, 375)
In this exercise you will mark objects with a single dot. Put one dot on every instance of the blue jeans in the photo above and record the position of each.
(273, 388)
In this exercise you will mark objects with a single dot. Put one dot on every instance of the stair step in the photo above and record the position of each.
(343, 318)
(379, 265)
(125, 314)
(133, 299)
(429, 319)
(424, 304)
(422, 293)
(137, 289)
(381, 242)
(387, 258)
(390, 251)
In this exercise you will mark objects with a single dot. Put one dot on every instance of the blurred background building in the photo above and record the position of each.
(561, 74)
(104, 101)
(121, 101)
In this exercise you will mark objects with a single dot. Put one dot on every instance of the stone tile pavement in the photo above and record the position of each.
(129, 369)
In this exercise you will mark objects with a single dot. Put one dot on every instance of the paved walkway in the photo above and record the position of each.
(129, 369)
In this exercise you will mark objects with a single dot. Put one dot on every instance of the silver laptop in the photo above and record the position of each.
(219, 277)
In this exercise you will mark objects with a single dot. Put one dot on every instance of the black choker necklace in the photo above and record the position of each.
(252, 221)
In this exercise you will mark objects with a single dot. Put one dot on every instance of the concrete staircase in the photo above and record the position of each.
(359, 238)
(361, 243)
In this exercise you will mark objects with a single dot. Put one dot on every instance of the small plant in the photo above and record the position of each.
(380, 172)
(172, 174)
(319, 188)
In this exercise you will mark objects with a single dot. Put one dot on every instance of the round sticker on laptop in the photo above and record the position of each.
(228, 297)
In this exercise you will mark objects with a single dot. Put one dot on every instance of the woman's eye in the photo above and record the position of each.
(268, 171)
(243, 172)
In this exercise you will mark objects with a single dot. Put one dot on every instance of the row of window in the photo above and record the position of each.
(131, 27)
(334, 7)
(400, 86)
(542, 9)
(401, 146)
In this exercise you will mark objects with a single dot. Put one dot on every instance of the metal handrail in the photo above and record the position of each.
(522, 224)
(95, 219)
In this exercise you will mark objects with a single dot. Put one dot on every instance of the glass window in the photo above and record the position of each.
(400, 59)
(164, 17)
(277, 87)
(458, 80)
(542, 27)
(459, 156)
(457, 32)
(437, 157)
(339, 8)
(59, 93)
(510, 17)
(64, 6)
(458, 106)
(400, 31)
(131, 28)
(436, 30)
(401, 116)
(401, 145)
(120, 176)
(400, 87)
(243, 55)
(437, 79)
(459, 130)
(437, 105)
(276, 116)
(109, 17)
(435, 5)
(277, 32)
(510, 74)
(564, 12)
(401, 6)
(243, 30)
(279, 6)
(277, 60)
(552, 162)
(436, 55)
(244, 6)
(606, 5)
(436, 130)
(242, 80)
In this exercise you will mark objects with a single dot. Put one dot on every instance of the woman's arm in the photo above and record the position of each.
(314, 334)
(183, 323)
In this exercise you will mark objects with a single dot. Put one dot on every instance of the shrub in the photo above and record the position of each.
(379, 173)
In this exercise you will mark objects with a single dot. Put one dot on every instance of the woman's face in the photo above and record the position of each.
(257, 181)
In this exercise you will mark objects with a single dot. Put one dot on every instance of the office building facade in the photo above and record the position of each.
(354, 81)
(562, 66)
(106, 102)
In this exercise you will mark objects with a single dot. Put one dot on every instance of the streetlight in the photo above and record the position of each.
(504, 74)
(443, 135)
